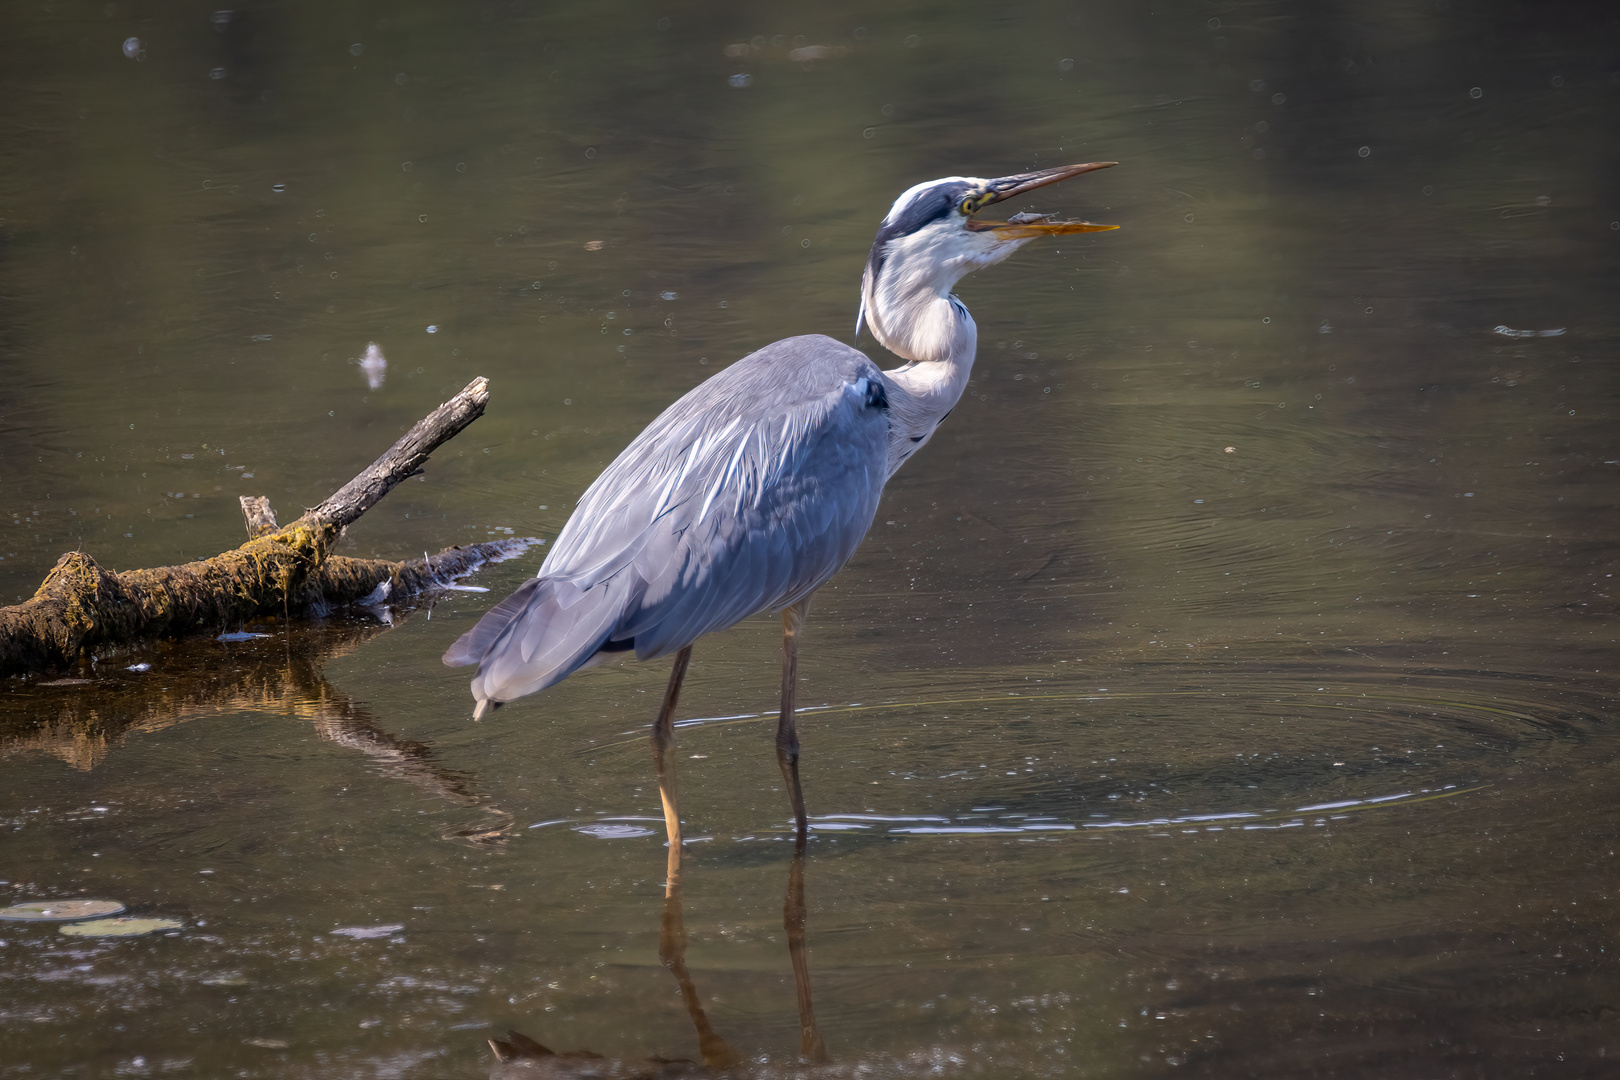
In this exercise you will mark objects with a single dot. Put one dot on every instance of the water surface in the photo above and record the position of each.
(1228, 689)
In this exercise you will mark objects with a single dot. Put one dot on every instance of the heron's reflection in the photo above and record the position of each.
(519, 1057)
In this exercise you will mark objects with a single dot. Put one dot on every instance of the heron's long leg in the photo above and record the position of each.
(663, 737)
(717, 1053)
(787, 733)
(811, 1046)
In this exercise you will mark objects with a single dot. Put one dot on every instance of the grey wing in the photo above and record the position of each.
(747, 494)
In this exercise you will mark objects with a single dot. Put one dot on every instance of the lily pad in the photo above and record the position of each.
(126, 926)
(60, 910)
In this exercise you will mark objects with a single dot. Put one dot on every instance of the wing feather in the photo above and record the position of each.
(746, 494)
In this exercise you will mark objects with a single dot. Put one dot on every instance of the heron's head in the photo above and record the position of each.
(932, 236)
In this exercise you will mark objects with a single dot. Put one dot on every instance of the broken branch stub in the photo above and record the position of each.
(404, 459)
(81, 605)
(257, 515)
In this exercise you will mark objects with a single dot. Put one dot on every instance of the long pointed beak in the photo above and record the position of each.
(1005, 187)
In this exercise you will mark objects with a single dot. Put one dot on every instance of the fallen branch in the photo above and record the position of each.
(283, 571)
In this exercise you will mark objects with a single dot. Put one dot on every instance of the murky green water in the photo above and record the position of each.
(1230, 689)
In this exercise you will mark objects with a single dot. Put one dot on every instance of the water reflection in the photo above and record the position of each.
(519, 1056)
(280, 670)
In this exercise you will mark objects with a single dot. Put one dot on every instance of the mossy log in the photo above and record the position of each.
(289, 570)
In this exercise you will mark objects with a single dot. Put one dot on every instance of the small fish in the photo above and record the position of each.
(1028, 218)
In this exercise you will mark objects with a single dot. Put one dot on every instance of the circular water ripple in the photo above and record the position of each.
(1235, 751)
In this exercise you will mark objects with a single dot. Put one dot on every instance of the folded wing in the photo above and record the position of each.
(746, 494)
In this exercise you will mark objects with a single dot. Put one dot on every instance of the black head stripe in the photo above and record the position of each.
(926, 206)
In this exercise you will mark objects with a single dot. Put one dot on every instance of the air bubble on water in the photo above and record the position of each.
(1476, 93)
(1278, 99)
(356, 49)
(278, 188)
(1256, 85)
(132, 48)
(1066, 64)
(741, 81)
(433, 329)
(668, 295)
(1364, 151)
(216, 73)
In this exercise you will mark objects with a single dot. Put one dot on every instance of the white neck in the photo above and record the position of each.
(941, 340)
(906, 300)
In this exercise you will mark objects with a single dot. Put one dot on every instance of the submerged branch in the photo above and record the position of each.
(281, 571)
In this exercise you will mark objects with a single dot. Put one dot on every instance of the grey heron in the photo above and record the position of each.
(754, 488)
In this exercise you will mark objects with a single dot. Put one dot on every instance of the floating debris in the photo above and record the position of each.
(362, 932)
(613, 832)
(123, 926)
(816, 52)
(375, 365)
(1508, 331)
(60, 910)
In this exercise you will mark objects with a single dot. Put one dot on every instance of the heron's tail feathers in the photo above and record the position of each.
(471, 647)
(537, 637)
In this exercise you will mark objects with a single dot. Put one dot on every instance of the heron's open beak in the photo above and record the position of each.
(1025, 226)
